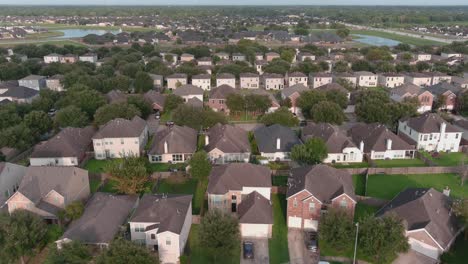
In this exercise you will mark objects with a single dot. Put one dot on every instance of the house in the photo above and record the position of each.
(259, 65)
(269, 56)
(206, 61)
(259, 56)
(422, 56)
(120, 138)
(319, 79)
(378, 142)
(227, 143)
(158, 80)
(297, 78)
(409, 90)
(203, 81)
(462, 125)
(391, 80)
(275, 142)
(67, 148)
(292, 93)
(341, 148)
(48, 190)
(162, 223)
(255, 216)
(302, 56)
(187, 57)
(430, 225)
(312, 190)
(68, 58)
(420, 79)
(238, 57)
(227, 79)
(189, 91)
(430, 132)
(156, 100)
(444, 91)
(88, 57)
(366, 79)
(438, 77)
(176, 80)
(54, 83)
(462, 82)
(173, 144)
(349, 78)
(103, 218)
(10, 178)
(218, 96)
(249, 80)
(222, 55)
(273, 81)
(446, 55)
(35, 82)
(53, 57)
(17, 94)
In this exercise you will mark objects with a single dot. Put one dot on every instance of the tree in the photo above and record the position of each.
(83, 97)
(73, 211)
(336, 228)
(116, 110)
(327, 112)
(172, 102)
(382, 238)
(313, 151)
(235, 102)
(129, 174)
(123, 251)
(219, 232)
(462, 103)
(71, 116)
(70, 253)
(288, 55)
(18, 136)
(196, 117)
(343, 32)
(281, 116)
(200, 166)
(257, 103)
(460, 208)
(308, 99)
(142, 104)
(143, 82)
(38, 122)
(361, 65)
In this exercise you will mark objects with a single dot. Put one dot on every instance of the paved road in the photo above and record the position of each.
(261, 255)
(298, 253)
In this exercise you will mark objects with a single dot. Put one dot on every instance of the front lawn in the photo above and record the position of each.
(278, 244)
(96, 166)
(363, 210)
(388, 186)
(458, 253)
(447, 159)
(396, 163)
(189, 186)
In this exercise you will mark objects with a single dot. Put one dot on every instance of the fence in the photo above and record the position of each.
(403, 170)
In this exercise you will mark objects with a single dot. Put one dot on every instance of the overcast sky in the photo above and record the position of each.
(238, 2)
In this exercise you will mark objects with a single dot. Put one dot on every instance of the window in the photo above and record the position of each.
(156, 158)
(456, 135)
(177, 157)
(139, 228)
(153, 236)
(295, 203)
(122, 141)
(343, 203)
(311, 207)
(168, 241)
(425, 138)
(98, 144)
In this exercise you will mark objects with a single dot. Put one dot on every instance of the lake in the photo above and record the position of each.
(79, 33)
(375, 41)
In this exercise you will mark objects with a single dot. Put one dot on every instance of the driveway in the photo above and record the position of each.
(261, 255)
(298, 254)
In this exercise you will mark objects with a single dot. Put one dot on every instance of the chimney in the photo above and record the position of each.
(207, 140)
(165, 147)
(278, 143)
(361, 146)
(446, 191)
(389, 144)
(443, 126)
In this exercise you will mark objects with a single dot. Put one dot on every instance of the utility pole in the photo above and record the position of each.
(355, 243)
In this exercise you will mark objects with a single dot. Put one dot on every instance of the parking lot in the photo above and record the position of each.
(298, 254)
(261, 255)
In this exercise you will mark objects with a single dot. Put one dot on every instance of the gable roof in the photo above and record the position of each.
(375, 137)
(332, 87)
(155, 97)
(322, 181)
(443, 87)
(266, 138)
(409, 88)
(429, 123)
(188, 89)
(19, 92)
(179, 139)
(255, 209)
(115, 96)
(167, 211)
(335, 139)
(234, 176)
(221, 92)
(425, 208)
(299, 88)
(121, 128)
(228, 139)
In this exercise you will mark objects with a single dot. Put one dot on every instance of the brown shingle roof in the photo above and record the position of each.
(375, 138)
(429, 123)
(179, 139)
(255, 209)
(228, 139)
(234, 176)
(121, 128)
(335, 139)
(221, 92)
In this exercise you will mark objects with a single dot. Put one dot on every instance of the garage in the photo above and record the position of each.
(424, 248)
(294, 222)
(256, 230)
(310, 224)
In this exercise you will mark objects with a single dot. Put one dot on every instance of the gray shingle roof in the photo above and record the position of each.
(234, 176)
(188, 89)
(228, 139)
(221, 92)
(299, 88)
(429, 123)
(335, 139)
(20, 92)
(255, 209)
(266, 138)
(375, 138)
(121, 128)
(179, 139)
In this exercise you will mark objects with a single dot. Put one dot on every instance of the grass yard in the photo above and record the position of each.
(166, 116)
(189, 186)
(363, 210)
(396, 163)
(447, 159)
(108, 187)
(351, 165)
(280, 180)
(387, 186)
(403, 39)
(242, 117)
(161, 167)
(359, 181)
(96, 166)
(94, 185)
(458, 254)
(278, 244)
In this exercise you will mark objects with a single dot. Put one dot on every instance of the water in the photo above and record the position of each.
(79, 33)
(375, 41)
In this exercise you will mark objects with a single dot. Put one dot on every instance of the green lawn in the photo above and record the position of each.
(278, 244)
(94, 185)
(359, 181)
(458, 254)
(190, 186)
(96, 166)
(242, 117)
(351, 165)
(166, 116)
(395, 163)
(388, 186)
(161, 167)
(403, 39)
(447, 159)
(108, 187)
(363, 210)
(280, 180)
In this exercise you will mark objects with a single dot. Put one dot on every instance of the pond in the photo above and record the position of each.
(375, 41)
(79, 33)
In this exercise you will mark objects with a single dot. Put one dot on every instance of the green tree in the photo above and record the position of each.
(70, 253)
(281, 116)
(172, 102)
(38, 122)
(196, 117)
(200, 166)
(143, 82)
(142, 104)
(288, 55)
(18, 136)
(336, 228)
(257, 103)
(73, 211)
(129, 174)
(462, 103)
(126, 252)
(313, 151)
(278, 66)
(116, 110)
(235, 102)
(219, 233)
(84, 98)
(71, 116)
(460, 208)
(327, 112)
(308, 99)
(8, 116)
(343, 32)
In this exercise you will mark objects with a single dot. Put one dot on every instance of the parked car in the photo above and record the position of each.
(248, 248)
(169, 123)
(157, 116)
(311, 241)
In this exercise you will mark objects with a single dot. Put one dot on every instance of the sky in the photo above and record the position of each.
(237, 2)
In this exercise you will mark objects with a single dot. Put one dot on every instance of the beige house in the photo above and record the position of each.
(202, 80)
(186, 57)
(227, 143)
(10, 178)
(174, 144)
(226, 78)
(188, 92)
(205, 61)
(391, 80)
(366, 79)
(54, 83)
(249, 81)
(420, 79)
(176, 80)
(269, 56)
(273, 81)
(319, 79)
(297, 78)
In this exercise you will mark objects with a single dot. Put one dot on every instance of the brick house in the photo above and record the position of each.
(218, 96)
(409, 90)
(293, 92)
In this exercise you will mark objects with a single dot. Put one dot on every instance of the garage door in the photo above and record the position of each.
(310, 224)
(254, 230)
(294, 222)
(424, 249)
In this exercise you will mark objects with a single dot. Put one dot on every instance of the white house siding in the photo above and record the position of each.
(166, 158)
(264, 191)
(59, 161)
(298, 80)
(281, 156)
(217, 156)
(205, 84)
(319, 81)
(230, 82)
(274, 83)
(90, 59)
(367, 80)
(432, 141)
(50, 59)
(294, 222)
(255, 230)
(188, 97)
(424, 248)
(348, 155)
(168, 247)
(10, 179)
(249, 82)
(389, 154)
(172, 83)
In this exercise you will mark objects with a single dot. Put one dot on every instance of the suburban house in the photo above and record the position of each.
(205, 61)
(173, 144)
(203, 81)
(319, 79)
(218, 96)
(67, 148)
(430, 132)
(302, 56)
(462, 82)
(162, 223)
(48, 190)
(53, 57)
(269, 56)
(158, 80)
(409, 90)
(244, 189)
(226, 78)
(420, 79)
(273, 81)
(88, 57)
(259, 65)
(462, 125)
(445, 91)
(189, 91)
(176, 80)
(17, 94)
(222, 55)
(366, 79)
(297, 78)
(105, 215)
(54, 83)
(156, 100)
(120, 138)
(187, 57)
(350, 78)
(438, 77)
(275, 142)
(170, 58)
(312, 190)
(293, 92)
(249, 80)
(68, 58)
(10, 178)
(35, 82)
(227, 143)
(423, 56)
(391, 80)
(431, 226)
(341, 148)
(238, 57)
(378, 142)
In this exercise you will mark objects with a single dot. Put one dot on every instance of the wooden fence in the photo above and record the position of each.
(403, 170)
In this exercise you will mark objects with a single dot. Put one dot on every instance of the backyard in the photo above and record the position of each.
(363, 210)
(458, 253)
(187, 186)
(447, 159)
(96, 166)
(359, 181)
(350, 165)
(396, 163)
(278, 244)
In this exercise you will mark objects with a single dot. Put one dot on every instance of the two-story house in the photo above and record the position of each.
(445, 94)
(294, 78)
(173, 144)
(202, 80)
(292, 93)
(273, 81)
(227, 143)
(319, 79)
(35, 82)
(227, 79)
(53, 57)
(391, 80)
(218, 97)
(249, 80)
(418, 78)
(346, 77)
(276, 141)
(188, 91)
(409, 90)
(10, 178)
(176, 80)
(366, 79)
(88, 57)
(54, 83)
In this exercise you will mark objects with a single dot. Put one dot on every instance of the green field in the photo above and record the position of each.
(403, 39)
(278, 244)
(359, 181)
(363, 210)
(447, 159)
(395, 163)
(189, 186)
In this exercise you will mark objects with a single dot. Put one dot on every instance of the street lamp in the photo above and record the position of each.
(355, 243)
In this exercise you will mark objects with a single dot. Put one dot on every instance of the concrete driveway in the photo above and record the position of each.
(298, 254)
(261, 255)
